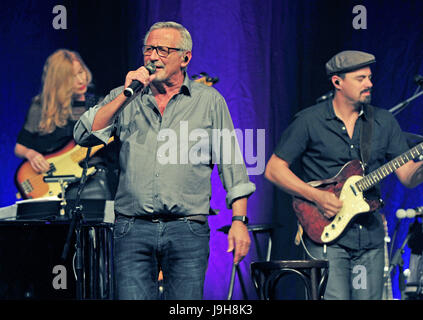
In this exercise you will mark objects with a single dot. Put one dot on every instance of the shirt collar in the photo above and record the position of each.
(185, 87)
(330, 112)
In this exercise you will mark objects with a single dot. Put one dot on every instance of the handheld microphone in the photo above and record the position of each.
(136, 85)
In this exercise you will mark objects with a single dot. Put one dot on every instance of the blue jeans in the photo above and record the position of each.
(179, 248)
(353, 274)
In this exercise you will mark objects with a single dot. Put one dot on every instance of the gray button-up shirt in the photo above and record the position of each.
(166, 161)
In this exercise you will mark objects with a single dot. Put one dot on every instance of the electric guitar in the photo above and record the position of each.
(66, 161)
(348, 185)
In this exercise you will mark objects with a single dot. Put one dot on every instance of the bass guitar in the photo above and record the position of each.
(64, 162)
(348, 185)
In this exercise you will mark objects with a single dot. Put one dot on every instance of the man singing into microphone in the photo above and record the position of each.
(324, 138)
(163, 198)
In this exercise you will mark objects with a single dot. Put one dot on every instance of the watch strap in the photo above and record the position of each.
(243, 219)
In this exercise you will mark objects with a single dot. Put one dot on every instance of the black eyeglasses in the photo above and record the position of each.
(161, 50)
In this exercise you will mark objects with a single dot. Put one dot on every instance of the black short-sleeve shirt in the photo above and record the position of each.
(30, 137)
(320, 141)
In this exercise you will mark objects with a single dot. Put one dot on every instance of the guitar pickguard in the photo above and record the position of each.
(353, 204)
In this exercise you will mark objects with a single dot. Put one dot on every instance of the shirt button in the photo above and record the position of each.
(157, 174)
(343, 128)
(352, 146)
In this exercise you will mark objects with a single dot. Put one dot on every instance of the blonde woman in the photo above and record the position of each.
(53, 113)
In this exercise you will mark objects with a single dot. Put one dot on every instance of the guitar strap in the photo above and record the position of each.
(366, 135)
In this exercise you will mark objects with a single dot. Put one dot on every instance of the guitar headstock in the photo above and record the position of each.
(204, 78)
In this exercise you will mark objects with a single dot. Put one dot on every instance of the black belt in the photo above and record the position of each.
(166, 218)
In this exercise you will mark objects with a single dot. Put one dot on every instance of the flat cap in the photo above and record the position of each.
(347, 61)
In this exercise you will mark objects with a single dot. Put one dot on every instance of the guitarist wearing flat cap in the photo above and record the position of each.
(345, 147)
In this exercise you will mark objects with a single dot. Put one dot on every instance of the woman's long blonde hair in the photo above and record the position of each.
(56, 95)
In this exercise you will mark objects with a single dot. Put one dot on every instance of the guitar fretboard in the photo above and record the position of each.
(377, 175)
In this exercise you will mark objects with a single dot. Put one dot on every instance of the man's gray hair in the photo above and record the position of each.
(186, 40)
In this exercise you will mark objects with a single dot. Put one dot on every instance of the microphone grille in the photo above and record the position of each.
(411, 213)
(150, 67)
(401, 214)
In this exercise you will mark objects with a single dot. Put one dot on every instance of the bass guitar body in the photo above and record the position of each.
(31, 184)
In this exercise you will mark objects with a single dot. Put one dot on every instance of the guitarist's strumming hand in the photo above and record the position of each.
(328, 203)
(37, 161)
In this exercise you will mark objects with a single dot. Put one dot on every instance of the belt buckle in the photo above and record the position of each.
(155, 220)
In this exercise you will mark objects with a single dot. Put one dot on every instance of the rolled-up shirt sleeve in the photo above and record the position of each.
(227, 155)
(82, 131)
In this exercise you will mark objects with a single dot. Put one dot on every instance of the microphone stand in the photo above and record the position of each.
(391, 249)
(398, 261)
(402, 105)
(63, 180)
(75, 225)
